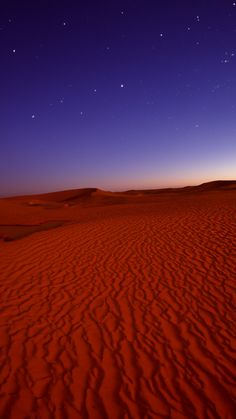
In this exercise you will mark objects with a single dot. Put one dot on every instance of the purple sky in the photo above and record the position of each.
(116, 94)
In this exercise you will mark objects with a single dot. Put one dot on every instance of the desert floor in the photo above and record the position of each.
(119, 305)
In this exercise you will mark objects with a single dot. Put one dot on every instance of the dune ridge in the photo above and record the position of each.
(127, 311)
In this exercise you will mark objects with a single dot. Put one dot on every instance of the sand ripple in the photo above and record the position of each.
(124, 316)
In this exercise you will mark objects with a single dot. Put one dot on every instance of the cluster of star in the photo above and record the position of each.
(227, 57)
(62, 100)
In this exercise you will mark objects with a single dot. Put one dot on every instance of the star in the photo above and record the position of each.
(161, 35)
(198, 18)
(95, 90)
(62, 100)
(234, 4)
(122, 85)
(14, 51)
(33, 116)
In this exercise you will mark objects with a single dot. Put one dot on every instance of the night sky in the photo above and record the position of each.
(116, 94)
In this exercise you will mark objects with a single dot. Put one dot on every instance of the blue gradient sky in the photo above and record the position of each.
(116, 95)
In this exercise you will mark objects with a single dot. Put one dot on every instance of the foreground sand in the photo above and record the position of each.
(126, 310)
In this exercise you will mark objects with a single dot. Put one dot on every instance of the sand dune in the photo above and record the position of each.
(126, 310)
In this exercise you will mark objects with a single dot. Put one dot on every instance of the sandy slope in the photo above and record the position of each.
(125, 311)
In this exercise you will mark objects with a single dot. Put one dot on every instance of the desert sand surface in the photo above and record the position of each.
(119, 305)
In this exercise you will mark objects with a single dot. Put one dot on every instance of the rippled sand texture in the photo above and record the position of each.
(126, 312)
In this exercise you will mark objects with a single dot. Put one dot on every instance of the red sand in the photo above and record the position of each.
(125, 311)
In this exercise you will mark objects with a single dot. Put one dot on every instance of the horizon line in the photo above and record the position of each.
(15, 195)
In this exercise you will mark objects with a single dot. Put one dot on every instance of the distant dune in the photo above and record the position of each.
(119, 304)
(83, 194)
